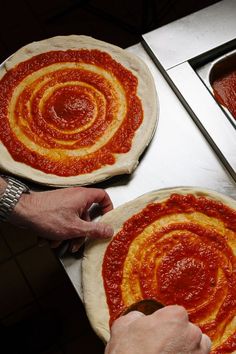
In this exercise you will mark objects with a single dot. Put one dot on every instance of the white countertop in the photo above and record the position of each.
(178, 155)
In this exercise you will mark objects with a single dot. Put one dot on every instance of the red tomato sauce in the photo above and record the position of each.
(67, 109)
(187, 274)
(225, 91)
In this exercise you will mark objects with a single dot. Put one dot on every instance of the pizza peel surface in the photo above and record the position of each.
(74, 110)
(177, 246)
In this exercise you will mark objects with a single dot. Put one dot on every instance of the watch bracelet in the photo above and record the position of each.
(9, 199)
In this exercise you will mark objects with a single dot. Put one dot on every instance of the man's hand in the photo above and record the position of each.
(63, 214)
(166, 331)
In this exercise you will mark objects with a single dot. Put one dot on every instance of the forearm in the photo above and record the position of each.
(21, 214)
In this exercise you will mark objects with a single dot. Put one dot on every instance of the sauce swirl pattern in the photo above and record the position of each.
(69, 112)
(179, 251)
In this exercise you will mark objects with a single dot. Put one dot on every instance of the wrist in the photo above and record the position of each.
(11, 191)
(3, 186)
(20, 215)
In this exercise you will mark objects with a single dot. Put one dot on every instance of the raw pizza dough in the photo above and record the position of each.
(125, 162)
(92, 281)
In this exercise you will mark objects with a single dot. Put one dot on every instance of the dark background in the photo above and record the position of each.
(120, 22)
(40, 312)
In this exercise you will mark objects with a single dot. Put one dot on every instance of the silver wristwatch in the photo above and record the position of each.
(11, 196)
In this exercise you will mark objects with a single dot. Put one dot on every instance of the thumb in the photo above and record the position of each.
(206, 343)
(94, 229)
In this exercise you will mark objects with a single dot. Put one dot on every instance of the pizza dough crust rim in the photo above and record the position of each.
(125, 163)
(92, 282)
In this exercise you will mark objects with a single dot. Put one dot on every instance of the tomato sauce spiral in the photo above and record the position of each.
(69, 112)
(179, 251)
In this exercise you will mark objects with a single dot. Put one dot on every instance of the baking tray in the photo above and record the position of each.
(214, 70)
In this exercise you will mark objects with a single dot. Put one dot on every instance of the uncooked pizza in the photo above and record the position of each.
(74, 110)
(177, 246)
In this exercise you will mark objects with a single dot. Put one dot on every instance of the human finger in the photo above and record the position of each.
(194, 336)
(76, 244)
(100, 196)
(125, 321)
(132, 316)
(93, 229)
(196, 340)
(175, 312)
(205, 344)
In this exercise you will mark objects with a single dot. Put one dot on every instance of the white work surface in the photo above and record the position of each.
(178, 155)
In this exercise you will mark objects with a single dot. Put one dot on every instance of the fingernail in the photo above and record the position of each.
(74, 249)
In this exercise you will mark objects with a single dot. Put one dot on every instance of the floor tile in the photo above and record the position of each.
(85, 345)
(63, 297)
(13, 14)
(123, 12)
(21, 315)
(41, 268)
(69, 310)
(53, 351)
(20, 35)
(15, 292)
(36, 334)
(81, 21)
(44, 8)
(18, 239)
(4, 250)
(3, 50)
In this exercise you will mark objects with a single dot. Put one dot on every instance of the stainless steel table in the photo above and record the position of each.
(179, 155)
(179, 49)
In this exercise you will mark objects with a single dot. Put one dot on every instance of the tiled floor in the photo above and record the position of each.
(40, 312)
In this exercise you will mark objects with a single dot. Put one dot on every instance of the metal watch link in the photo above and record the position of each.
(11, 196)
